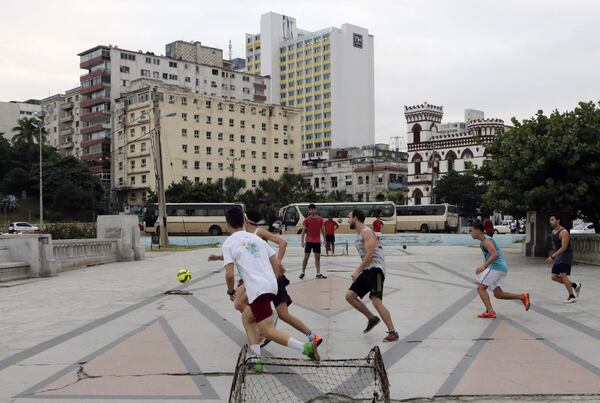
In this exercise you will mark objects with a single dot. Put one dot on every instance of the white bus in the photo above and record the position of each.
(427, 218)
(190, 218)
(293, 215)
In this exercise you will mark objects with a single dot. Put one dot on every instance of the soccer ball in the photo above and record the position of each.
(184, 276)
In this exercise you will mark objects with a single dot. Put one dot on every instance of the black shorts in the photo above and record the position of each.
(312, 246)
(330, 238)
(282, 294)
(558, 268)
(369, 281)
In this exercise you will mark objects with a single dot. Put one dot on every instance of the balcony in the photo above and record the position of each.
(93, 74)
(67, 131)
(94, 88)
(66, 119)
(420, 178)
(94, 128)
(87, 117)
(89, 143)
(260, 87)
(93, 62)
(92, 102)
(259, 98)
(66, 106)
(66, 145)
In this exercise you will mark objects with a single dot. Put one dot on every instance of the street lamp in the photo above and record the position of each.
(40, 126)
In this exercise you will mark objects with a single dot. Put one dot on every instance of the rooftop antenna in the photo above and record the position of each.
(230, 50)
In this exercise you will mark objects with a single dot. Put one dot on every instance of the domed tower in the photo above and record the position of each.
(422, 121)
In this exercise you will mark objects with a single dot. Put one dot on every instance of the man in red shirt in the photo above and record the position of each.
(488, 226)
(377, 226)
(330, 227)
(311, 232)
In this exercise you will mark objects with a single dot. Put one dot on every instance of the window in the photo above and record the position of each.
(253, 169)
(183, 115)
(184, 132)
(243, 153)
(207, 104)
(220, 121)
(220, 166)
(184, 148)
(232, 137)
(253, 183)
(334, 181)
(264, 140)
(276, 155)
(242, 138)
(143, 146)
(197, 134)
(208, 120)
(231, 122)
(132, 180)
(132, 164)
(264, 155)
(276, 140)
(220, 137)
(132, 148)
(172, 64)
(145, 73)
(208, 150)
(184, 164)
(264, 126)
(253, 139)
(253, 154)
(196, 149)
(220, 151)
(242, 124)
(196, 164)
(209, 166)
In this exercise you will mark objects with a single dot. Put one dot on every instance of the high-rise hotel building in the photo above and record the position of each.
(328, 73)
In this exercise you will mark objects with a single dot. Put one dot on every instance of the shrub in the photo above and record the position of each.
(71, 231)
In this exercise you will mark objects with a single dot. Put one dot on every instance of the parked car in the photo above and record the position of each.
(502, 229)
(583, 228)
(21, 227)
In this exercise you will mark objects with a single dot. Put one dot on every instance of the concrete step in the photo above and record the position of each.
(10, 271)
(4, 254)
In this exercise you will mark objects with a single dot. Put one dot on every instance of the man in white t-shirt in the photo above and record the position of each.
(256, 262)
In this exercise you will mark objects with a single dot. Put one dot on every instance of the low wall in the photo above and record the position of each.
(75, 253)
(35, 250)
(586, 248)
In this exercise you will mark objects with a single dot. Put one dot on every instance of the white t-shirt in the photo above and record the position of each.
(251, 256)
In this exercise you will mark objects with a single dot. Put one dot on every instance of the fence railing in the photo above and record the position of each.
(75, 253)
(586, 248)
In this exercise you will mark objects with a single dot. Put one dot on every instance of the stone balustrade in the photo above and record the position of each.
(75, 253)
(586, 248)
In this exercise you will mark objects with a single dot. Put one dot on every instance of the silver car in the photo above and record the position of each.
(21, 226)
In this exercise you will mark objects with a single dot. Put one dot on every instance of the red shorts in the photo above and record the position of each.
(261, 307)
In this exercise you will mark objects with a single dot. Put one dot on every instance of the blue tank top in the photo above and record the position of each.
(500, 263)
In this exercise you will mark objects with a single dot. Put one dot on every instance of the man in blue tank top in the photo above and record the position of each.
(492, 272)
(562, 259)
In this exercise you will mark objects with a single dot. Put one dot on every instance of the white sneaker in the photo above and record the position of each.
(577, 290)
(570, 300)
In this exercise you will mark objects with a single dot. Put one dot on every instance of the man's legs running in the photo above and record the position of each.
(318, 262)
(357, 304)
(485, 298)
(383, 312)
(296, 323)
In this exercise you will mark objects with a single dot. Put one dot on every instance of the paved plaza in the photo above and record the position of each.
(109, 333)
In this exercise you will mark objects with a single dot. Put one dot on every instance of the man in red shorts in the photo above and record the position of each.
(257, 263)
(330, 227)
(311, 233)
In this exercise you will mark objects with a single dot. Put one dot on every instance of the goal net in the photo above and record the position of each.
(301, 380)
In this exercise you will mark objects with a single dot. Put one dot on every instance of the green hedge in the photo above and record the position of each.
(71, 231)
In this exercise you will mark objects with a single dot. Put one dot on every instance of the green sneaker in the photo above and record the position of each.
(255, 364)
(310, 350)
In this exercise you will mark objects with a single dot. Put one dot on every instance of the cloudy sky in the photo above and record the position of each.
(506, 57)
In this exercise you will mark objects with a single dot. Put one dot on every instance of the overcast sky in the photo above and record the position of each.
(506, 57)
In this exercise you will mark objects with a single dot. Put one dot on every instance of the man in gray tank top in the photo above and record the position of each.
(561, 259)
(369, 276)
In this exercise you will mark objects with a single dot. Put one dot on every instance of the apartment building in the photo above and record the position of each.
(204, 138)
(364, 173)
(111, 70)
(328, 73)
(52, 115)
(11, 112)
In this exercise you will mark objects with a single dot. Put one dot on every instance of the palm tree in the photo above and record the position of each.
(27, 135)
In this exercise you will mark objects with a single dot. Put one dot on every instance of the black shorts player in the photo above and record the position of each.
(369, 281)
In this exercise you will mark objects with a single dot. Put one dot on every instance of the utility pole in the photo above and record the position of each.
(162, 208)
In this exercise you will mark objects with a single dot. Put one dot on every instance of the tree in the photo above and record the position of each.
(339, 196)
(463, 190)
(232, 188)
(27, 135)
(549, 163)
(397, 196)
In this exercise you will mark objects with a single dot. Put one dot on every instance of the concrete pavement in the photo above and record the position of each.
(108, 333)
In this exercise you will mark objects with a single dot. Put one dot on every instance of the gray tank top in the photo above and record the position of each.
(378, 256)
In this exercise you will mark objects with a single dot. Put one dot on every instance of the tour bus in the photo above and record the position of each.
(190, 218)
(427, 217)
(293, 215)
